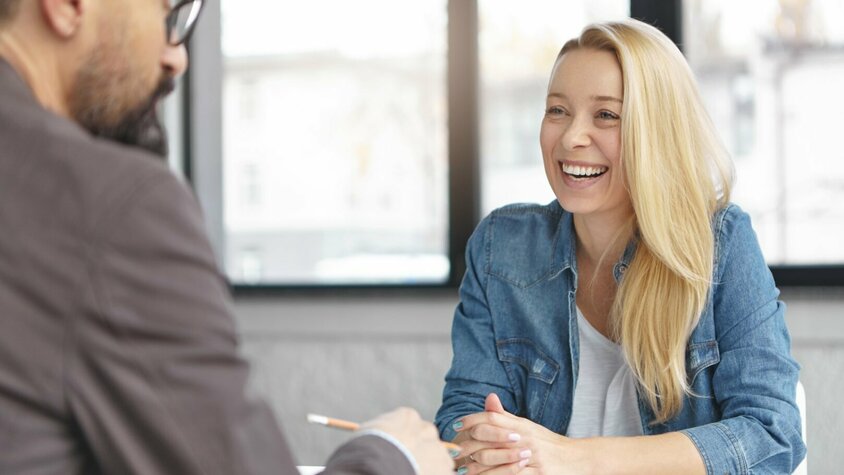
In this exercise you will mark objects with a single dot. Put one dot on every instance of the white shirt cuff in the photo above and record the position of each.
(389, 438)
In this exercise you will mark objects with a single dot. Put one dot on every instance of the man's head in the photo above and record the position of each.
(114, 58)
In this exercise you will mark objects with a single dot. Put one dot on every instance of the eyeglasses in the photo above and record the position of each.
(181, 19)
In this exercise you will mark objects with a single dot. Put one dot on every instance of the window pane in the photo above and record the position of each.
(334, 120)
(770, 73)
(519, 42)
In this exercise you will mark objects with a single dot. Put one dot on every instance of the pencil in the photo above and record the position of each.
(348, 425)
(332, 422)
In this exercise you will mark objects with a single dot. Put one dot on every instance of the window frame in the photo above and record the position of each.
(204, 80)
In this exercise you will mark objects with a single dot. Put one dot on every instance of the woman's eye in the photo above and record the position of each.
(555, 110)
(607, 115)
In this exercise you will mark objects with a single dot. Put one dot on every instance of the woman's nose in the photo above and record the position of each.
(576, 134)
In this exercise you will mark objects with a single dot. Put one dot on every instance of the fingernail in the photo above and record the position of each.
(525, 454)
(454, 453)
(514, 437)
(523, 463)
(457, 425)
(462, 471)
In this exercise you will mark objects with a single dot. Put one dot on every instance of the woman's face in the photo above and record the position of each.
(581, 134)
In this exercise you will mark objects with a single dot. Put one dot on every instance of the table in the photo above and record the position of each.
(310, 469)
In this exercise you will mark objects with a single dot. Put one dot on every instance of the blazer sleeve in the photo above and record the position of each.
(368, 455)
(155, 383)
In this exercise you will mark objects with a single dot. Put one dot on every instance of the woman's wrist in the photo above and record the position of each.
(590, 454)
(668, 453)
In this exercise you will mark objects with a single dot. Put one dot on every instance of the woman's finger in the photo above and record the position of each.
(497, 457)
(472, 468)
(504, 420)
(511, 468)
(494, 434)
(472, 446)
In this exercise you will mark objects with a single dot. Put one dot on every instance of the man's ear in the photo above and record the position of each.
(63, 17)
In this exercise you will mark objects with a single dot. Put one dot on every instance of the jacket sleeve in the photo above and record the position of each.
(155, 382)
(475, 369)
(755, 381)
(368, 455)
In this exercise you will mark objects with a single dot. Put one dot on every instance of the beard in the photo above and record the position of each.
(98, 104)
(141, 126)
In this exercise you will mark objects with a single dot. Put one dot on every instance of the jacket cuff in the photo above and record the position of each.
(448, 433)
(719, 448)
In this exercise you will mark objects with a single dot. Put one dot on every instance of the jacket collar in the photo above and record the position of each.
(566, 244)
(621, 266)
(12, 83)
(566, 240)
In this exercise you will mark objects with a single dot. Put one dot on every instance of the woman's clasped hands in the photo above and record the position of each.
(496, 442)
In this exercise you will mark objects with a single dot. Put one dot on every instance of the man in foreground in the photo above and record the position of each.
(118, 352)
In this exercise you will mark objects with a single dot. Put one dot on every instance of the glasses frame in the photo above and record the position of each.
(172, 17)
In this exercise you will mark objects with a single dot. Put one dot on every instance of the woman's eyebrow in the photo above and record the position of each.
(606, 99)
(594, 98)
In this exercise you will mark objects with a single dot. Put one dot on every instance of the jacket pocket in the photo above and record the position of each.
(531, 373)
(700, 356)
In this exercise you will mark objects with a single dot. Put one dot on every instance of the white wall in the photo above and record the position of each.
(354, 356)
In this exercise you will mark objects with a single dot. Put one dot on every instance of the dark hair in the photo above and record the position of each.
(8, 8)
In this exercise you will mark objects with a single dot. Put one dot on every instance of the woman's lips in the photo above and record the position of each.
(589, 175)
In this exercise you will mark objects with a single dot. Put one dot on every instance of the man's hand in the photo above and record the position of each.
(419, 437)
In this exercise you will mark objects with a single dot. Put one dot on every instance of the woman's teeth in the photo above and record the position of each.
(583, 172)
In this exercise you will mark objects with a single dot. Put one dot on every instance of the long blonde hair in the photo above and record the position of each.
(678, 174)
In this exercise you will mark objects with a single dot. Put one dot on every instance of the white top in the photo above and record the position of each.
(605, 402)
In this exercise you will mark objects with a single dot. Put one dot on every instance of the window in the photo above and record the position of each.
(334, 142)
(359, 143)
(770, 72)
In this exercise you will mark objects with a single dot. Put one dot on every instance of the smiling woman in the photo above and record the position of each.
(634, 316)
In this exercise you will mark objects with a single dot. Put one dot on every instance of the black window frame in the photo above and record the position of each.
(464, 209)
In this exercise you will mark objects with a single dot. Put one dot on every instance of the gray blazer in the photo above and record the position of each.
(118, 350)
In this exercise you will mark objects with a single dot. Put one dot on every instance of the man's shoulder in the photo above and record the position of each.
(36, 142)
(104, 166)
(50, 162)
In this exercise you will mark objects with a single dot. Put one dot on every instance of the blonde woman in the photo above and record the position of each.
(630, 326)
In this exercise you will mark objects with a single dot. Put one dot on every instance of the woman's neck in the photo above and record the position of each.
(602, 236)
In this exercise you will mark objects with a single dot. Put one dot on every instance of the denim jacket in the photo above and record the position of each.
(515, 334)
